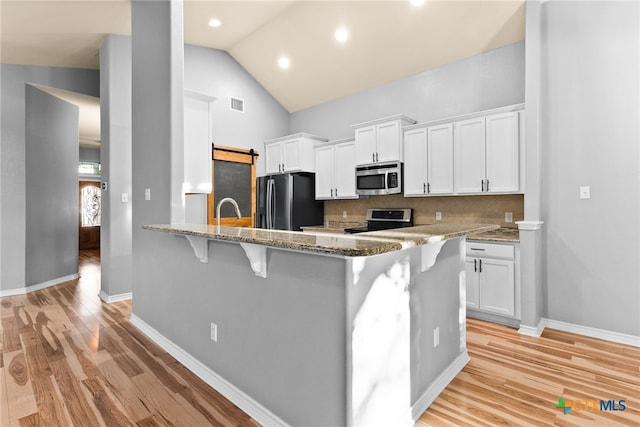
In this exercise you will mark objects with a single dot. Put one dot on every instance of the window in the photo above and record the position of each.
(89, 168)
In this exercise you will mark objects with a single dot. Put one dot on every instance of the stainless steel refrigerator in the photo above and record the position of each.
(287, 202)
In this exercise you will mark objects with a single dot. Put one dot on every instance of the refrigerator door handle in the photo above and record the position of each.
(273, 204)
(268, 224)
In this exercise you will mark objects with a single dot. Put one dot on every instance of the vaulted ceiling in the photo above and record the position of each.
(387, 40)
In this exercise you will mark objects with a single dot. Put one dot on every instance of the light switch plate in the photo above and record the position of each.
(438, 216)
(585, 192)
(147, 194)
(508, 217)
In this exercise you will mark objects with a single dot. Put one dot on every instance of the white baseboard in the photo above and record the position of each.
(586, 331)
(114, 298)
(243, 401)
(532, 331)
(594, 332)
(438, 386)
(38, 286)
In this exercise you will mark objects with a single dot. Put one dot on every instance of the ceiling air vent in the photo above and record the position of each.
(237, 105)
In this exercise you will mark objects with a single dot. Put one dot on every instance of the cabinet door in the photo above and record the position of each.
(365, 145)
(273, 158)
(345, 170)
(388, 142)
(472, 279)
(291, 155)
(415, 165)
(469, 155)
(324, 172)
(502, 152)
(497, 287)
(440, 159)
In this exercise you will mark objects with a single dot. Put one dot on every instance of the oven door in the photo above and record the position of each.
(376, 180)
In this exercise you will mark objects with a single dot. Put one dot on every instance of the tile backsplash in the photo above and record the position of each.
(455, 209)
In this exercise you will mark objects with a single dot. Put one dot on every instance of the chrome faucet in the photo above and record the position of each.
(221, 202)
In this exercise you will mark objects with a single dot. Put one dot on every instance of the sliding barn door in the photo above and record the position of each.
(233, 175)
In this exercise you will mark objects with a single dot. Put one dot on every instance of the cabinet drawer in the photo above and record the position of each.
(489, 250)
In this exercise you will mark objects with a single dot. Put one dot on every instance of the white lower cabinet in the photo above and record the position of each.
(492, 282)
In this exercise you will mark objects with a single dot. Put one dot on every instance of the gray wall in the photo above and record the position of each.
(89, 154)
(215, 73)
(489, 80)
(51, 187)
(115, 117)
(12, 157)
(591, 127)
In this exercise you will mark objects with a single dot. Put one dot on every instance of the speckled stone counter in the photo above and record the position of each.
(503, 234)
(363, 244)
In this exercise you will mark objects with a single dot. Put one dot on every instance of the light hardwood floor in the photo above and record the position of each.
(67, 359)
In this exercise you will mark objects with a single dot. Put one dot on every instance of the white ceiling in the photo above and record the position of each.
(388, 39)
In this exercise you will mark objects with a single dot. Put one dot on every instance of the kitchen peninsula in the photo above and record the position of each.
(321, 328)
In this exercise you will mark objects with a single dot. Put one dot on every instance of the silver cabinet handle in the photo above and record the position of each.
(332, 192)
(480, 263)
(487, 185)
(376, 157)
(482, 185)
(477, 249)
(336, 192)
(373, 157)
(424, 188)
(428, 188)
(475, 265)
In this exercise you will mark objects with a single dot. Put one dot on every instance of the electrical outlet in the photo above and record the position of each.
(508, 217)
(125, 197)
(147, 194)
(214, 332)
(344, 214)
(585, 192)
(438, 216)
(436, 337)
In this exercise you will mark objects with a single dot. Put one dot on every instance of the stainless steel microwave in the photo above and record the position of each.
(383, 178)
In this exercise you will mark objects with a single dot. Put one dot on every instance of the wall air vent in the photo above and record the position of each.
(237, 105)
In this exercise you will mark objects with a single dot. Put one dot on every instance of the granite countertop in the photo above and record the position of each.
(502, 234)
(362, 244)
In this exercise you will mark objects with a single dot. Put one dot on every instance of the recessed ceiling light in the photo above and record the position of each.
(417, 3)
(215, 23)
(341, 34)
(284, 62)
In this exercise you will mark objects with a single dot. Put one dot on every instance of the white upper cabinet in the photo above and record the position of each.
(380, 140)
(415, 165)
(440, 159)
(197, 142)
(486, 153)
(335, 170)
(366, 145)
(325, 163)
(292, 153)
(428, 165)
(469, 156)
(502, 151)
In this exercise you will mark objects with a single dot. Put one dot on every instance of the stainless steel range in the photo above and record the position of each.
(385, 219)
